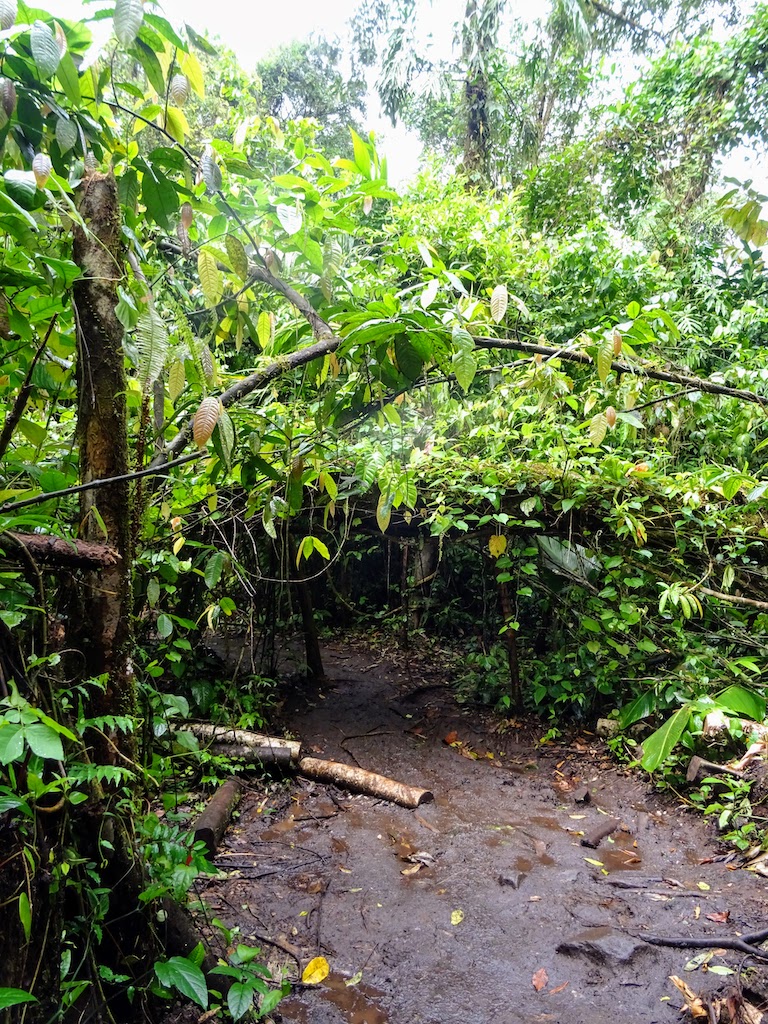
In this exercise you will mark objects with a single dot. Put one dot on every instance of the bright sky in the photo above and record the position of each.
(255, 29)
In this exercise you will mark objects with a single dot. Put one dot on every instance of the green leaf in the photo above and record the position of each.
(181, 974)
(44, 741)
(741, 701)
(384, 511)
(45, 49)
(598, 427)
(69, 78)
(591, 624)
(66, 134)
(202, 44)
(25, 915)
(129, 15)
(659, 745)
(210, 276)
(408, 359)
(14, 997)
(239, 1000)
(238, 257)
(499, 302)
(152, 343)
(11, 743)
(213, 569)
(640, 707)
(160, 198)
(362, 156)
(604, 359)
(464, 366)
(164, 626)
(151, 65)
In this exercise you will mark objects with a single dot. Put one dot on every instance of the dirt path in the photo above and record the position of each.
(504, 887)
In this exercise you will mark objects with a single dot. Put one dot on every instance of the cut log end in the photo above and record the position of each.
(364, 782)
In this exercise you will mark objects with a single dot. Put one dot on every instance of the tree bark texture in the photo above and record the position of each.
(103, 636)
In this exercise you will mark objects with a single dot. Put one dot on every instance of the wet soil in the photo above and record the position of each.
(444, 914)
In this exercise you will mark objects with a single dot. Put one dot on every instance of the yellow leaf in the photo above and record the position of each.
(210, 276)
(317, 970)
(597, 863)
(191, 67)
(703, 886)
(457, 916)
(178, 544)
(497, 545)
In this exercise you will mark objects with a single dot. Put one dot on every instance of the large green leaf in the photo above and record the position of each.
(14, 997)
(659, 745)
(741, 701)
(239, 1000)
(160, 198)
(152, 343)
(129, 15)
(45, 49)
(44, 741)
(181, 974)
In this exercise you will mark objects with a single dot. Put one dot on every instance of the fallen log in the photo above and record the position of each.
(58, 551)
(242, 743)
(596, 836)
(365, 782)
(211, 824)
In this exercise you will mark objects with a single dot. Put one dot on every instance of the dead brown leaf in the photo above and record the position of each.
(693, 1004)
(411, 870)
(719, 917)
(540, 979)
(450, 737)
(560, 988)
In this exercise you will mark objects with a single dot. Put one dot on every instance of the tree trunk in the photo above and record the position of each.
(104, 633)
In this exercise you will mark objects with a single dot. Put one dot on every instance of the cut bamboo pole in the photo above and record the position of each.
(364, 781)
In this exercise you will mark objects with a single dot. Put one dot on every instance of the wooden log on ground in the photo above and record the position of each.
(212, 823)
(242, 743)
(364, 781)
(597, 835)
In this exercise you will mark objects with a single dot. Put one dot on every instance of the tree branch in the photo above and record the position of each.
(76, 554)
(682, 380)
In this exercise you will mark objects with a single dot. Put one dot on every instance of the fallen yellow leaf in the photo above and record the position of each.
(457, 916)
(317, 970)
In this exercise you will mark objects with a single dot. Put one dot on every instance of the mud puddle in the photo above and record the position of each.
(443, 915)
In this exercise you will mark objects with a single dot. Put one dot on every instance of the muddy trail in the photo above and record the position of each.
(482, 906)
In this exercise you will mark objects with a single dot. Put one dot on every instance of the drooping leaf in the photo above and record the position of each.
(205, 419)
(289, 217)
(429, 294)
(8, 11)
(224, 438)
(66, 134)
(214, 568)
(45, 49)
(209, 170)
(464, 366)
(264, 328)
(25, 915)
(193, 72)
(384, 511)
(598, 428)
(499, 303)
(604, 359)
(210, 276)
(152, 344)
(659, 745)
(238, 257)
(177, 379)
(179, 90)
(160, 197)
(129, 15)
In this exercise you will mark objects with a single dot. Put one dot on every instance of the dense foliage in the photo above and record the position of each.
(532, 415)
